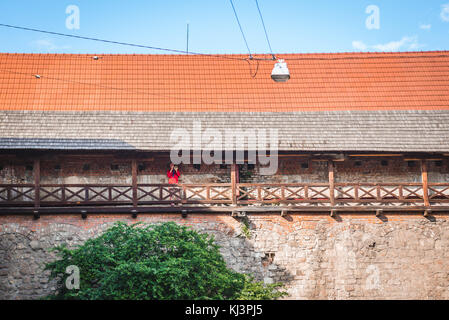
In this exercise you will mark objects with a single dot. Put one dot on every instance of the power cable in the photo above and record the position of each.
(241, 29)
(265, 29)
(253, 75)
(369, 55)
(119, 43)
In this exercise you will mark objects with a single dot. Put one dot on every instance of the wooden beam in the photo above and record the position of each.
(293, 155)
(234, 181)
(37, 181)
(327, 159)
(330, 165)
(377, 155)
(429, 158)
(218, 210)
(425, 184)
(134, 181)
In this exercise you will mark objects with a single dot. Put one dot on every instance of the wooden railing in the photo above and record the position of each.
(381, 192)
(13, 195)
(287, 193)
(438, 192)
(93, 194)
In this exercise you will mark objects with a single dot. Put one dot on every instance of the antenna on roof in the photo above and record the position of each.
(187, 49)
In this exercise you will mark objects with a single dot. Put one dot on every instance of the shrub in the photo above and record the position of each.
(256, 290)
(162, 261)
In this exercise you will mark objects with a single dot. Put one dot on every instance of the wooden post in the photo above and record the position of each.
(330, 166)
(37, 182)
(234, 181)
(134, 181)
(425, 188)
(379, 212)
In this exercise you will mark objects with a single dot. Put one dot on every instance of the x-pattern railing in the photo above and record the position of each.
(439, 192)
(381, 192)
(272, 193)
(16, 193)
(220, 193)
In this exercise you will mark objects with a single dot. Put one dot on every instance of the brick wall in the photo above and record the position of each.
(438, 170)
(351, 257)
(374, 170)
(108, 171)
(16, 174)
(290, 170)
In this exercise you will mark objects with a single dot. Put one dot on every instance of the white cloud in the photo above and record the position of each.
(47, 45)
(406, 43)
(395, 45)
(425, 26)
(444, 14)
(359, 45)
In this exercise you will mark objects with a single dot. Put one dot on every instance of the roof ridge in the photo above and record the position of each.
(236, 54)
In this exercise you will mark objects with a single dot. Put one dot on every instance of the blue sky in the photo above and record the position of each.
(299, 26)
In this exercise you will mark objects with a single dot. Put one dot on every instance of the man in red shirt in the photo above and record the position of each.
(173, 175)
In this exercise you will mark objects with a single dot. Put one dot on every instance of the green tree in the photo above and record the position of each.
(161, 261)
(256, 290)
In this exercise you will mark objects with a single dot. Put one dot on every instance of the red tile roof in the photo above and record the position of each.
(338, 81)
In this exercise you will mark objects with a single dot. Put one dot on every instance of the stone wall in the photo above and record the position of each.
(350, 257)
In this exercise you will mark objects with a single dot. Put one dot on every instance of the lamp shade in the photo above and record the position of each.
(280, 71)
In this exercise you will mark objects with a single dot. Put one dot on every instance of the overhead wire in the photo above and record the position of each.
(265, 30)
(369, 55)
(119, 42)
(241, 29)
(253, 75)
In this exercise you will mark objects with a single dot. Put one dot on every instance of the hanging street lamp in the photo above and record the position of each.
(280, 71)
